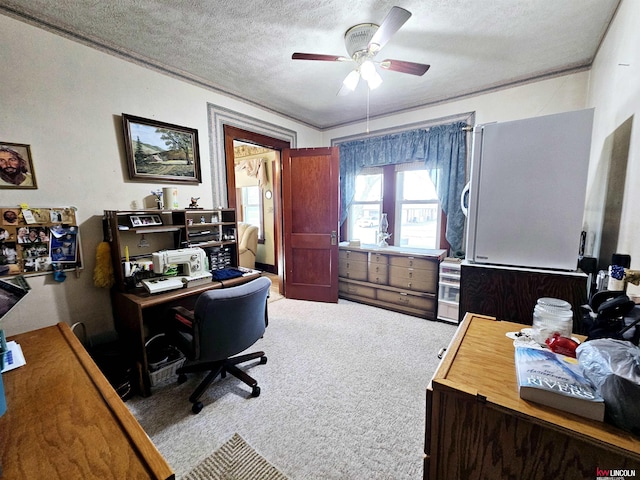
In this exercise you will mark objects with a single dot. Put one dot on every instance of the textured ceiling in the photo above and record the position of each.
(243, 47)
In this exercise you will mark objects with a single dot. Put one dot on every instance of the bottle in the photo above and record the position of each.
(551, 316)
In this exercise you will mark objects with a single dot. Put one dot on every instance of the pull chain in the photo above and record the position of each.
(368, 92)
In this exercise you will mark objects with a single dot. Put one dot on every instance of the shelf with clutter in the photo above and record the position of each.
(36, 241)
(133, 236)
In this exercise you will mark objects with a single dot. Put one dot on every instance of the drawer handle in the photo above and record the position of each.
(441, 352)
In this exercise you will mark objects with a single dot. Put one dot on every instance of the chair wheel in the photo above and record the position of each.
(263, 360)
(197, 407)
(182, 378)
(255, 391)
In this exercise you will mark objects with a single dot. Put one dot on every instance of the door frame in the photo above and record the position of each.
(232, 133)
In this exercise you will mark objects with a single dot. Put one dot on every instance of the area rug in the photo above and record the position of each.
(234, 460)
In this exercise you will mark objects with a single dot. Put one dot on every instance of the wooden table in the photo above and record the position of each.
(64, 420)
(133, 310)
(478, 427)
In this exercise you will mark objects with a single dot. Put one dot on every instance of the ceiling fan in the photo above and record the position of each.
(363, 42)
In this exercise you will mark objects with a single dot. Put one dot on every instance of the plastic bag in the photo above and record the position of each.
(613, 366)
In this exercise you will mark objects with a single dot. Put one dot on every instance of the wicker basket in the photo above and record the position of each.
(166, 368)
(165, 372)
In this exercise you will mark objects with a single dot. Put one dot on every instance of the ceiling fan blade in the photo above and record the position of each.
(318, 56)
(390, 25)
(405, 67)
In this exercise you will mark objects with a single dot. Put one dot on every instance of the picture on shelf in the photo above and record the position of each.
(145, 220)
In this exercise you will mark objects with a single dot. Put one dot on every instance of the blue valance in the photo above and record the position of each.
(443, 150)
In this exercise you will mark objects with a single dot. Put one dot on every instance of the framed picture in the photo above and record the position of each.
(161, 152)
(16, 166)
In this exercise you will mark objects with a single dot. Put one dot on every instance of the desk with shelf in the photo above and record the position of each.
(136, 312)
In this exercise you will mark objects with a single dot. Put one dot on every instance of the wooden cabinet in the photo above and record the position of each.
(478, 427)
(509, 293)
(142, 232)
(396, 278)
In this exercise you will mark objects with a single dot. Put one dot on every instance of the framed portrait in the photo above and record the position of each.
(16, 166)
(161, 152)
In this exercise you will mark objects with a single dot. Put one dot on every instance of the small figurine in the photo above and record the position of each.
(194, 202)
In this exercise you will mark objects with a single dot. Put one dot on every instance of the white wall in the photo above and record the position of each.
(65, 100)
(554, 95)
(614, 91)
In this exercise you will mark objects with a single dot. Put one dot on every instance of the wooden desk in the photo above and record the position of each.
(65, 421)
(133, 309)
(478, 427)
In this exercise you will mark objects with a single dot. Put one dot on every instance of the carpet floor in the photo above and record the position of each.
(342, 396)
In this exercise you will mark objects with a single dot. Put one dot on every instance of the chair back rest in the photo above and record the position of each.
(230, 320)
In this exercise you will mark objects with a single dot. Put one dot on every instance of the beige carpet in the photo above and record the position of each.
(234, 460)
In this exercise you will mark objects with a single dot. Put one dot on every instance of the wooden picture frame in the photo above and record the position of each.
(16, 166)
(161, 152)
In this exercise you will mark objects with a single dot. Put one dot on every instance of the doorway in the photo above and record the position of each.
(265, 151)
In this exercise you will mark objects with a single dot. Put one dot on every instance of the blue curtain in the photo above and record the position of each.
(443, 150)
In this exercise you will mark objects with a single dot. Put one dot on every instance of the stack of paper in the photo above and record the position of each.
(14, 358)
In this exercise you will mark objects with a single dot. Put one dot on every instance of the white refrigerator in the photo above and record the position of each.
(527, 191)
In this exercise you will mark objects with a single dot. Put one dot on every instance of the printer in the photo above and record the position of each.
(185, 267)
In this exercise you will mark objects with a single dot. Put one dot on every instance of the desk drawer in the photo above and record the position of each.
(352, 269)
(413, 279)
(356, 289)
(378, 258)
(413, 262)
(344, 255)
(408, 300)
(378, 273)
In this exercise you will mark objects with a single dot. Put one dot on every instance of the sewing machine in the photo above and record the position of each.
(186, 267)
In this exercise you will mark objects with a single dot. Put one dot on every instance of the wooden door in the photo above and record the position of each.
(310, 201)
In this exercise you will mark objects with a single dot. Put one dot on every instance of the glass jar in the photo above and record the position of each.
(551, 316)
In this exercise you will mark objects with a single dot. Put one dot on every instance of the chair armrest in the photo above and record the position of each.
(183, 315)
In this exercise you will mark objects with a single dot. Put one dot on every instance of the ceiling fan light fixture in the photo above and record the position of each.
(374, 81)
(370, 74)
(351, 81)
(367, 70)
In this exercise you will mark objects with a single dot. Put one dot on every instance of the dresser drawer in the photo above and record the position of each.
(344, 255)
(378, 258)
(408, 300)
(356, 289)
(413, 279)
(378, 273)
(413, 262)
(352, 269)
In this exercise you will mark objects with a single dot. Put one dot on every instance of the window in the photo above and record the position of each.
(252, 207)
(417, 209)
(364, 215)
(407, 194)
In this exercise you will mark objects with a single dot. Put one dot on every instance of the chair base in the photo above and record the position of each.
(220, 368)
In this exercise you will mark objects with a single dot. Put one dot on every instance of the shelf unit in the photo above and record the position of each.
(213, 230)
(449, 290)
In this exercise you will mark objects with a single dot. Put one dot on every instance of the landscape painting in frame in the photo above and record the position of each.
(161, 152)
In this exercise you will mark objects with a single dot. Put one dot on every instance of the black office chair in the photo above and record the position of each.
(223, 323)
